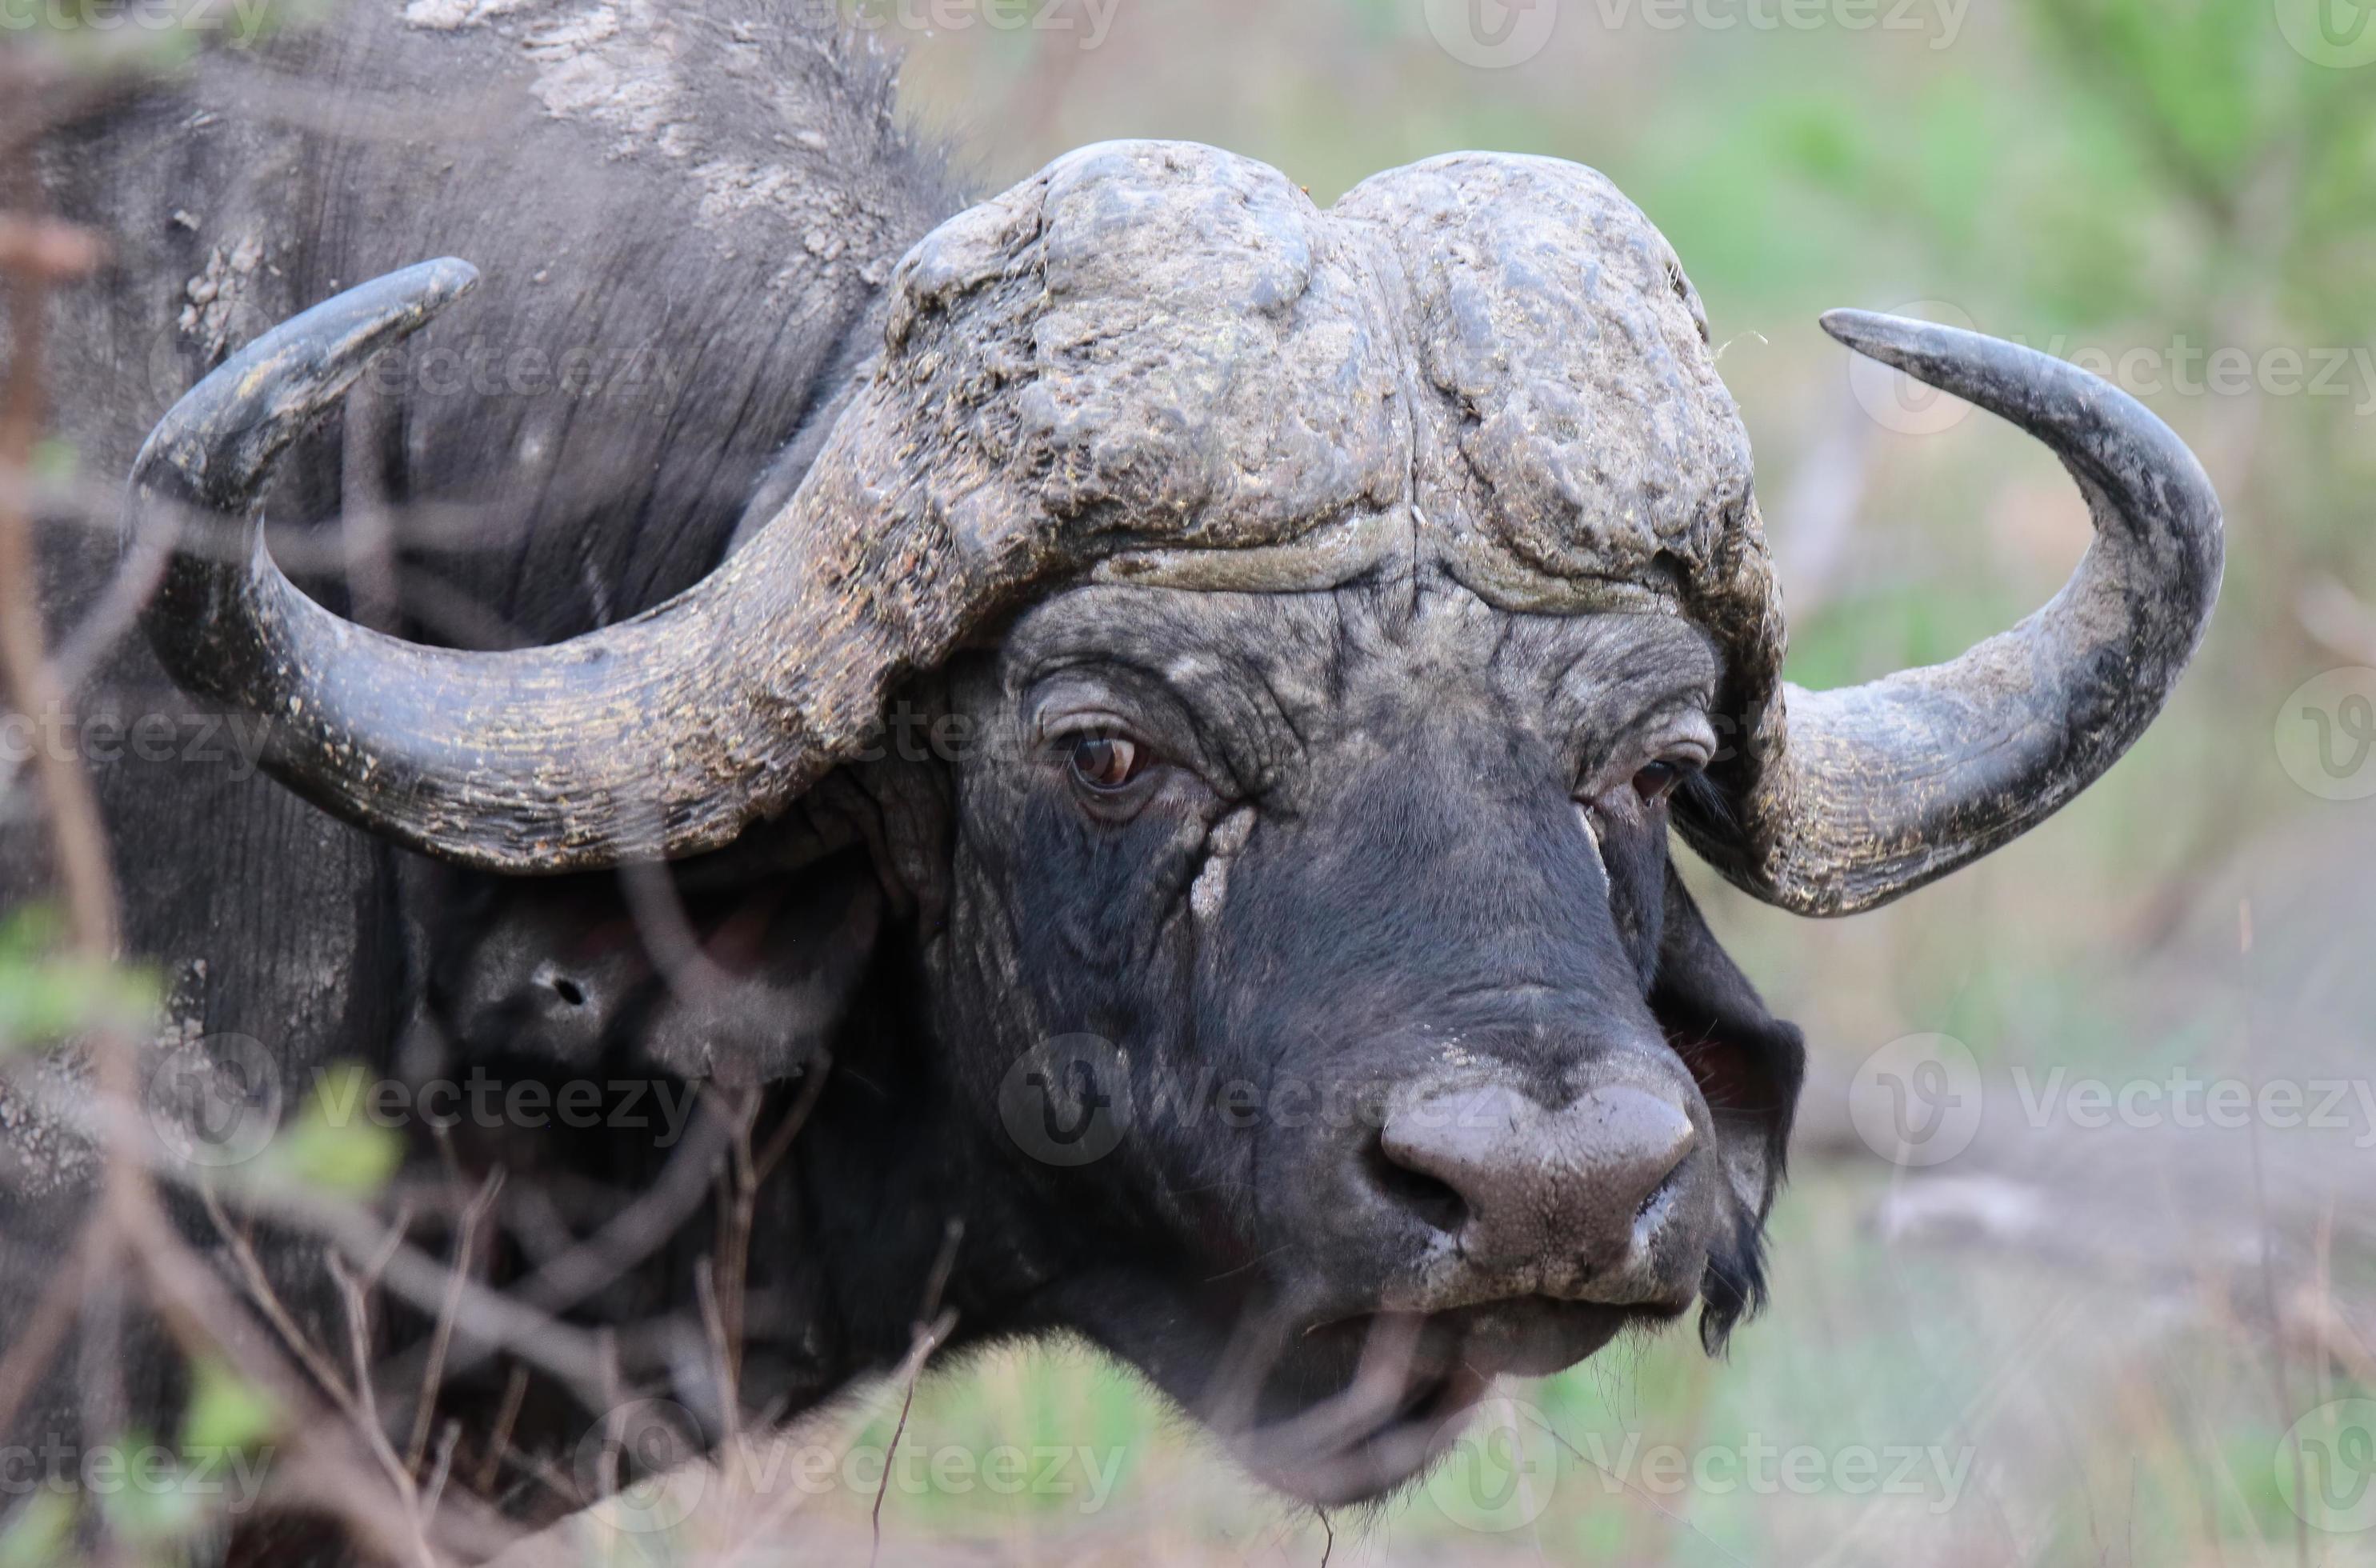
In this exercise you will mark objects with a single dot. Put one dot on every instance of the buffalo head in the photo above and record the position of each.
(1321, 617)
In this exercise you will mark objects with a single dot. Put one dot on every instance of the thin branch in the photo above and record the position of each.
(275, 1313)
(78, 840)
(465, 1245)
(929, 1338)
(443, 1468)
(639, 1230)
(722, 1350)
(499, 1440)
(352, 1292)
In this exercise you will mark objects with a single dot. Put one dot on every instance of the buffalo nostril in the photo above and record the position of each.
(1455, 1158)
(550, 976)
(1433, 1200)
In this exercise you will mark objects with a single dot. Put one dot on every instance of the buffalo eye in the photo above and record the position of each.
(1658, 782)
(1105, 762)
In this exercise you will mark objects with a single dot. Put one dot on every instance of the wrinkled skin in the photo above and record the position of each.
(1353, 863)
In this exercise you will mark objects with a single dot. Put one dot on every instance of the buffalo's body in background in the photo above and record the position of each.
(575, 462)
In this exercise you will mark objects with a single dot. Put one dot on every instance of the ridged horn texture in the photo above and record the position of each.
(1854, 796)
(1165, 358)
(660, 736)
(1065, 376)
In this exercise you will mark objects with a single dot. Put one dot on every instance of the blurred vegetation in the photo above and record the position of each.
(47, 995)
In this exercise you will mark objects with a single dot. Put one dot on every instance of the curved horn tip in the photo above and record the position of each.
(355, 324)
(359, 321)
(2082, 416)
(1846, 325)
(434, 284)
(1892, 339)
(215, 444)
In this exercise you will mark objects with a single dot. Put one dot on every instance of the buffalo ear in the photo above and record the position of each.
(1749, 1065)
(589, 971)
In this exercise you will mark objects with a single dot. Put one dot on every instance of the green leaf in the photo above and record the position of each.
(226, 1412)
(47, 995)
(54, 461)
(334, 1152)
(141, 1513)
(36, 1537)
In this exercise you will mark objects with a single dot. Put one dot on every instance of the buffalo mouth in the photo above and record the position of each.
(1350, 1410)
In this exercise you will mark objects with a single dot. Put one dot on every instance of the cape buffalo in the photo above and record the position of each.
(1172, 697)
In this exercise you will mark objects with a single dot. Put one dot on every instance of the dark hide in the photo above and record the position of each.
(1384, 818)
(578, 448)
